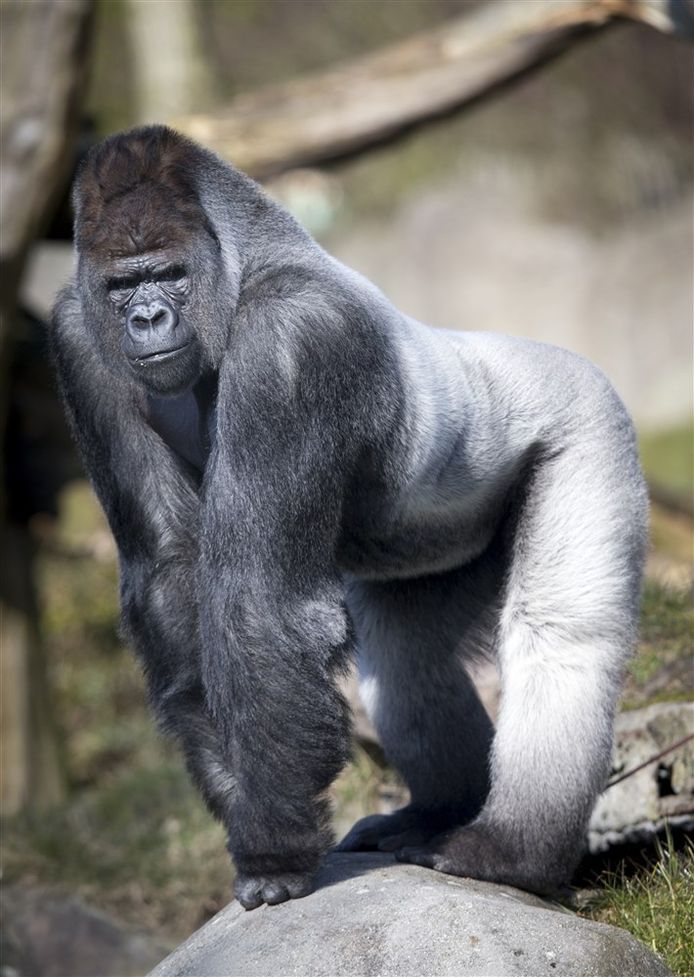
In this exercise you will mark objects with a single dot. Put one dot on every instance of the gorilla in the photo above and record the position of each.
(298, 475)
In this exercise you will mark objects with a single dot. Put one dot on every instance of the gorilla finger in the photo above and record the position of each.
(365, 834)
(355, 843)
(275, 892)
(250, 900)
(352, 841)
(344, 845)
(248, 893)
(299, 886)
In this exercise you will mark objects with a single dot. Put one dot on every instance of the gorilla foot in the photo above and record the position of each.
(255, 890)
(390, 832)
(474, 852)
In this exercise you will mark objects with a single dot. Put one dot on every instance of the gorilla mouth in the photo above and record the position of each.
(160, 355)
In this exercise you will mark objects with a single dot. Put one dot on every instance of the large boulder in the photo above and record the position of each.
(372, 917)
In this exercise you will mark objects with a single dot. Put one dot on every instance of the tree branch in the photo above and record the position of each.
(345, 109)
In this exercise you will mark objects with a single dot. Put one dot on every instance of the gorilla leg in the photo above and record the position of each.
(567, 626)
(412, 638)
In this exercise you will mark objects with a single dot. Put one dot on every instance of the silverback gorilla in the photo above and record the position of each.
(297, 474)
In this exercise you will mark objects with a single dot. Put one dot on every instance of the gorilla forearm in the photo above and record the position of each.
(275, 631)
(287, 756)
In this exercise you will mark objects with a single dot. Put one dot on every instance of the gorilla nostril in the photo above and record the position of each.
(156, 317)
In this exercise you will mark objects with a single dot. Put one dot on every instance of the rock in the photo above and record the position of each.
(662, 793)
(47, 935)
(373, 917)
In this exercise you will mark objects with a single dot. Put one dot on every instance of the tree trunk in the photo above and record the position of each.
(43, 51)
(170, 72)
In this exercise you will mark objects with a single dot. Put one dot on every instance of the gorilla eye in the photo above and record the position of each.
(121, 284)
(172, 274)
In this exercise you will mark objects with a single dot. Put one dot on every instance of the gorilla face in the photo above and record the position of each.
(149, 295)
(151, 312)
(154, 288)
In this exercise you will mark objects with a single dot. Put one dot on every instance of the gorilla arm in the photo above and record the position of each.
(152, 508)
(273, 622)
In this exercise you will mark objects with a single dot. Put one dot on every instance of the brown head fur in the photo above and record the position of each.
(135, 193)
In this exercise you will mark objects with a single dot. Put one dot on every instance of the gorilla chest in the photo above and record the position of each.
(185, 423)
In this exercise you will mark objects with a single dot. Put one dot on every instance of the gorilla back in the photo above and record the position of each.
(297, 474)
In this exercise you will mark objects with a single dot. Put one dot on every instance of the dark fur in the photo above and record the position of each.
(247, 475)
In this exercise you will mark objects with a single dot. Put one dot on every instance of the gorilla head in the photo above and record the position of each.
(150, 261)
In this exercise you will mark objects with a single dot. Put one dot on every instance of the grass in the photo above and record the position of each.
(656, 905)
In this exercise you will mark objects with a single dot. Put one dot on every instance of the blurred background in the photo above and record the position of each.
(524, 167)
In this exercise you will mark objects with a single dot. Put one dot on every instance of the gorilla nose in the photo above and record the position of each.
(154, 318)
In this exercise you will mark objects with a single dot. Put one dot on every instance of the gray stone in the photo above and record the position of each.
(662, 793)
(48, 935)
(372, 917)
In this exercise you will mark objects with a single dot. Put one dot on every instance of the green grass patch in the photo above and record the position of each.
(667, 618)
(656, 905)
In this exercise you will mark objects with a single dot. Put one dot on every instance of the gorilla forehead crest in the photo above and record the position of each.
(126, 186)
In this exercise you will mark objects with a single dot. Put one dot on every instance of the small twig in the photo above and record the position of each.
(669, 749)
